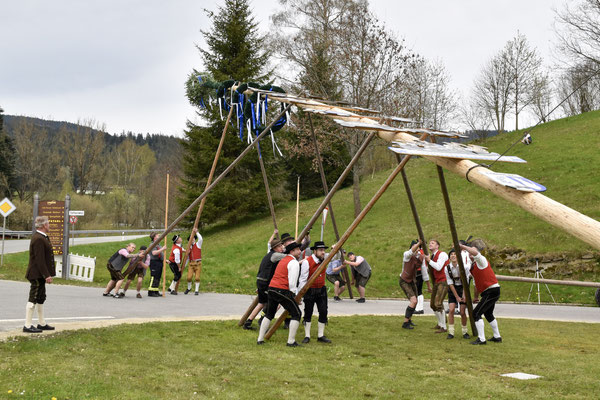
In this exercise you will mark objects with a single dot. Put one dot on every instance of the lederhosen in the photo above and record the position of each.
(173, 265)
(456, 281)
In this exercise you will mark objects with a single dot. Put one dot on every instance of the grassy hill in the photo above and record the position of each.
(564, 157)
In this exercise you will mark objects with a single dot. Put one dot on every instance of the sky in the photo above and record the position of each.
(124, 62)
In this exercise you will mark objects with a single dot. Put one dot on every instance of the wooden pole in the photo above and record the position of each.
(326, 191)
(574, 223)
(208, 182)
(508, 278)
(248, 311)
(212, 185)
(297, 205)
(267, 189)
(164, 272)
(461, 267)
(342, 240)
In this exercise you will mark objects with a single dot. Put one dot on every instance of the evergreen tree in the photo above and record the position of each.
(233, 52)
(7, 160)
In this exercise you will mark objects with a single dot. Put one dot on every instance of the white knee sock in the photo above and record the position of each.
(464, 329)
(197, 286)
(172, 286)
(29, 314)
(189, 285)
(443, 319)
(292, 331)
(494, 325)
(420, 300)
(307, 329)
(264, 327)
(451, 329)
(40, 310)
(480, 331)
(437, 315)
(321, 329)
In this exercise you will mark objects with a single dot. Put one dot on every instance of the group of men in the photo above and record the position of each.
(153, 260)
(447, 280)
(286, 269)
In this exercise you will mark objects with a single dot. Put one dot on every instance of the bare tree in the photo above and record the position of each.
(493, 90)
(541, 97)
(578, 30)
(584, 87)
(524, 65)
(475, 118)
(130, 163)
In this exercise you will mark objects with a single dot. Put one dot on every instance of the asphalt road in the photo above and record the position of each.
(73, 304)
(17, 246)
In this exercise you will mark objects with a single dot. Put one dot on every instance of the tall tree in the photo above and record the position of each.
(578, 30)
(493, 90)
(233, 51)
(7, 160)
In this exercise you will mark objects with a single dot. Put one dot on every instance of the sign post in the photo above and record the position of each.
(55, 211)
(6, 208)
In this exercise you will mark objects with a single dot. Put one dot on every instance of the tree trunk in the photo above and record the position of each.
(356, 190)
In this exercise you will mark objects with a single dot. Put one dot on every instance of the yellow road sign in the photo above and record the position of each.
(6, 207)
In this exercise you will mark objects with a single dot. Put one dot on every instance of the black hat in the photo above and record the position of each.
(319, 245)
(175, 238)
(451, 251)
(412, 243)
(291, 246)
(286, 236)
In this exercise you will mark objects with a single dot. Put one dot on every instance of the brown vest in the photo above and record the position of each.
(409, 270)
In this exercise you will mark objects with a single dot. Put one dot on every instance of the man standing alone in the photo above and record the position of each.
(361, 273)
(40, 271)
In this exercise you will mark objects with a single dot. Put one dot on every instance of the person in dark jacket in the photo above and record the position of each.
(40, 271)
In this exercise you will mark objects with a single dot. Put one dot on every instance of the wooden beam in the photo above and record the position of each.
(508, 278)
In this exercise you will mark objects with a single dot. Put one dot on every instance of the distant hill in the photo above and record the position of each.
(164, 147)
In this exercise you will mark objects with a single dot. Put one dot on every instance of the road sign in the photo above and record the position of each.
(78, 213)
(6, 207)
(73, 219)
(55, 211)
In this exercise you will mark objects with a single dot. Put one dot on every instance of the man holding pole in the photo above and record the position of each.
(411, 259)
(333, 275)
(115, 265)
(456, 294)
(195, 264)
(40, 271)
(175, 263)
(437, 259)
(282, 290)
(422, 277)
(489, 289)
(137, 268)
(156, 266)
(361, 273)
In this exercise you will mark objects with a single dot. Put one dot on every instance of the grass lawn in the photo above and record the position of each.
(371, 357)
(564, 157)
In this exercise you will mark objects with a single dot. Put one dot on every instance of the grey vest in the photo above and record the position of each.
(363, 268)
(118, 261)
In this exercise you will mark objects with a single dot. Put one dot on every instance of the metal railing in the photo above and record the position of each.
(121, 232)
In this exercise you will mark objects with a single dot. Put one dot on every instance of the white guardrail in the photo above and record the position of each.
(81, 268)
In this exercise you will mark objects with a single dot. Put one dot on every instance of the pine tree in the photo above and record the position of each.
(233, 52)
(7, 160)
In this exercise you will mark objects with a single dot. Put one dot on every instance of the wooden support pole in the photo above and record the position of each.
(212, 185)
(267, 188)
(297, 205)
(208, 182)
(461, 267)
(509, 278)
(164, 272)
(342, 240)
(326, 191)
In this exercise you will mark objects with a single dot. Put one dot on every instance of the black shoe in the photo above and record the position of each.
(411, 323)
(187, 291)
(450, 336)
(407, 325)
(106, 294)
(119, 296)
(466, 336)
(305, 340)
(195, 293)
(337, 298)
(295, 344)
(45, 327)
(31, 329)
(420, 312)
(361, 300)
(478, 342)
(495, 339)
(153, 294)
(260, 342)
(138, 296)
(248, 325)
(324, 339)
(173, 293)
(169, 290)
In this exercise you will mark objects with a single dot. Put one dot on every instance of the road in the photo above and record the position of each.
(19, 245)
(71, 307)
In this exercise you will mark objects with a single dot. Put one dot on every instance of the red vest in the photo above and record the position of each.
(280, 278)
(484, 278)
(195, 253)
(440, 276)
(172, 256)
(312, 267)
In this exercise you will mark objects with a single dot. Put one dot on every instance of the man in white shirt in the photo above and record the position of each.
(456, 295)
(437, 259)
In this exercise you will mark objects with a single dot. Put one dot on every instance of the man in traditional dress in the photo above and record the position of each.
(156, 266)
(115, 266)
(137, 269)
(361, 273)
(411, 259)
(456, 295)
(282, 290)
(195, 262)
(436, 259)
(175, 263)
(40, 271)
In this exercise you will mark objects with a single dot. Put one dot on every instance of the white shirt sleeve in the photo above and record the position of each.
(359, 260)
(268, 247)
(442, 258)
(481, 261)
(199, 240)
(449, 279)
(304, 269)
(424, 271)
(407, 255)
(177, 256)
(293, 271)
